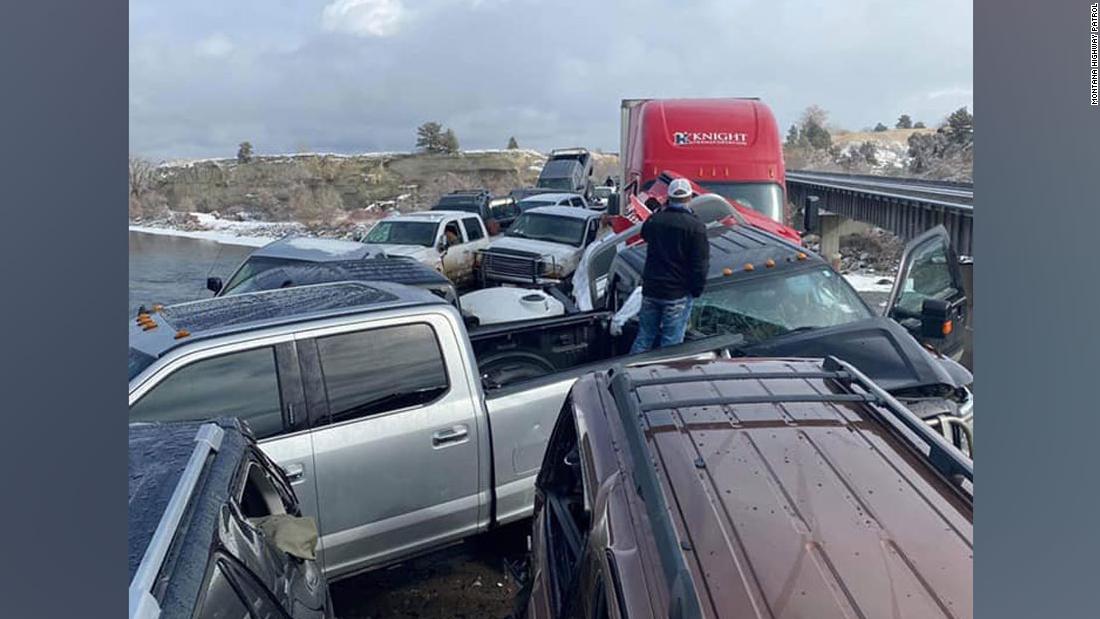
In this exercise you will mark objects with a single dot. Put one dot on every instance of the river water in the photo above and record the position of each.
(169, 269)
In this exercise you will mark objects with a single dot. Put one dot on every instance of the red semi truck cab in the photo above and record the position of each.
(727, 146)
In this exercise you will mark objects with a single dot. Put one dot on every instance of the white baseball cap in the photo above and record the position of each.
(679, 188)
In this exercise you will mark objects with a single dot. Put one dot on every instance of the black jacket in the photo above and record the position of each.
(677, 255)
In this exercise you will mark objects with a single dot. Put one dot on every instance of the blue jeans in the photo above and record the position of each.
(662, 323)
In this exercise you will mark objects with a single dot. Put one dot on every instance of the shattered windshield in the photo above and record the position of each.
(766, 307)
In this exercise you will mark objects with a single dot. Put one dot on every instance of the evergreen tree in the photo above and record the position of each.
(960, 126)
(244, 152)
(792, 136)
(429, 137)
(449, 142)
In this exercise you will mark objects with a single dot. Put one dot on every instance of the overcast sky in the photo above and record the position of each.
(359, 75)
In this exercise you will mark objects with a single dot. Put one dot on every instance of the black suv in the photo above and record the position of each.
(783, 300)
(215, 529)
(502, 211)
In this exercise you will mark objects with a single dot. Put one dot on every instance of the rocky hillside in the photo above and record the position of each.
(327, 189)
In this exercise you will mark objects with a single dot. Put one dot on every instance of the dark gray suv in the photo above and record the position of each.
(215, 529)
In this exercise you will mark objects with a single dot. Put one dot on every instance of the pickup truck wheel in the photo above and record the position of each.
(508, 368)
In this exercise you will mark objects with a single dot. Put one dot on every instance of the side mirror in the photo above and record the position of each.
(613, 205)
(810, 215)
(214, 284)
(934, 319)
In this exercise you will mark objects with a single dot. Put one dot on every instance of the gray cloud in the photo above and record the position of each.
(291, 76)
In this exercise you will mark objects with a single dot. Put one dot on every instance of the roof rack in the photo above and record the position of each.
(948, 461)
(941, 455)
(683, 601)
(142, 603)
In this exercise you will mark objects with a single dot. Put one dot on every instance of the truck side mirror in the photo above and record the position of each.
(214, 284)
(613, 206)
(810, 215)
(934, 320)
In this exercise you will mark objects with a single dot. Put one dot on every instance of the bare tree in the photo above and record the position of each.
(141, 176)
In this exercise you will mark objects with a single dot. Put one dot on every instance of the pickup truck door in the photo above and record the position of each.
(929, 275)
(257, 381)
(395, 439)
(458, 259)
(599, 264)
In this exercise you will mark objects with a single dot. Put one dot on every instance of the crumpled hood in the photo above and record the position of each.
(879, 347)
(427, 255)
(563, 254)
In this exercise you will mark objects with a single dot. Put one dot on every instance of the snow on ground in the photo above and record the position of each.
(187, 163)
(231, 232)
(226, 238)
(869, 282)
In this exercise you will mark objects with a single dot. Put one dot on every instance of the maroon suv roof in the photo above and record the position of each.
(789, 508)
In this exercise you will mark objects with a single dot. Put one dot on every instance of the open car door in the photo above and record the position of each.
(599, 264)
(929, 298)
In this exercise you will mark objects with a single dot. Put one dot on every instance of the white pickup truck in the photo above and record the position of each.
(542, 247)
(447, 241)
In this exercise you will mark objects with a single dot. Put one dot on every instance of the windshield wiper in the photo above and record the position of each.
(802, 329)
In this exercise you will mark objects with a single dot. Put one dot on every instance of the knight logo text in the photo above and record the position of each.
(689, 138)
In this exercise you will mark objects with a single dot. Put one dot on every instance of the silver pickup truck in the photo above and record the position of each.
(399, 430)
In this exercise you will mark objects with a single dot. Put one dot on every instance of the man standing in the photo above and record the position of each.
(677, 257)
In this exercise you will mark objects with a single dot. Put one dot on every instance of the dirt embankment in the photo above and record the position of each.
(330, 189)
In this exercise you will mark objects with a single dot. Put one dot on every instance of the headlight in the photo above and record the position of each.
(966, 409)
(549, 268)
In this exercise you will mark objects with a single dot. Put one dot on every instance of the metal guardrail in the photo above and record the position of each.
(905, 206)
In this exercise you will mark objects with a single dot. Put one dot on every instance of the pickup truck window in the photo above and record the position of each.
(458, 203)
(403, 233)
(767, 307)
(381, 370)
(530, 204)
(928, 277)
(473, 229)
(242, 384)
(766, 198)
(542, 227)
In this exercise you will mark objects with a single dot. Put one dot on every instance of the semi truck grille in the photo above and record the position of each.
(505, 266)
